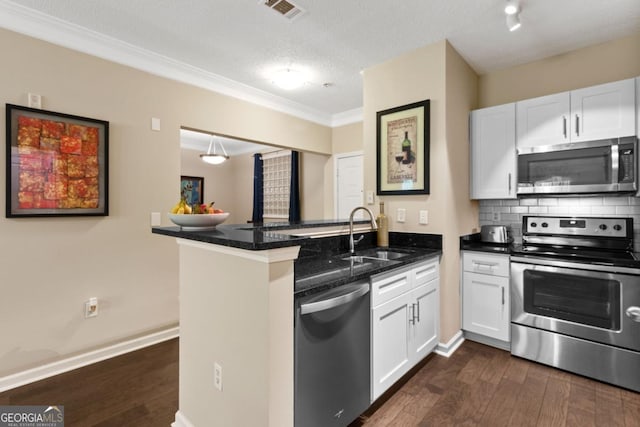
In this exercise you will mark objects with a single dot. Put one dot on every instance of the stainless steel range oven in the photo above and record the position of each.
(575, 297)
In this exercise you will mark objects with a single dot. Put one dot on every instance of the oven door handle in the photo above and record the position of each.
(335, 301)
(633, 313)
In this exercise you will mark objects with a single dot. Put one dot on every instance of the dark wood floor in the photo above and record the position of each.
(477, 386)
(483, 386)
(136, 389)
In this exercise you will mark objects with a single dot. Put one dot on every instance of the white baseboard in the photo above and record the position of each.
(181, 421)
(450, 347)
(78, 361)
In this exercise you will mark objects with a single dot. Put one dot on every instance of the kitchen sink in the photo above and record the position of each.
(376, 254)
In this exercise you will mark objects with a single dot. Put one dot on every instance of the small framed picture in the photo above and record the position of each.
(402, 163)
(57, 164)
(192, 189)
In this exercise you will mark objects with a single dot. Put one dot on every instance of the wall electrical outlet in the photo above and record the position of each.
(424, 217)
(401, 215)
(496, 216)
(217, 376)
(91, 307)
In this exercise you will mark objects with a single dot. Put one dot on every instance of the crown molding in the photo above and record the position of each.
(20, 19)
(347, 117)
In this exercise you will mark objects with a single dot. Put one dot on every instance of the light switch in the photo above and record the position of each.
(34, 100)
(369, 197)
(401, 215)
(155, 123)
(155, 219)
(424, 217)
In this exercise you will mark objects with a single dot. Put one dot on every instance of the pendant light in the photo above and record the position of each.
(214, 158)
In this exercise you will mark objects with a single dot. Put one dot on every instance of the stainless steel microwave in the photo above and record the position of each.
(603, 166)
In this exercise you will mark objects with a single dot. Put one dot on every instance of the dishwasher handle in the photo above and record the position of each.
(335, 301)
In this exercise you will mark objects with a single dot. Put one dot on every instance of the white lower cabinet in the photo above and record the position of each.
(485, 295)
(404, 327)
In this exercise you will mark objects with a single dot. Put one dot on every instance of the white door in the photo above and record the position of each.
(543, 121)
(493, 152)
(349, 184)
(603, 111)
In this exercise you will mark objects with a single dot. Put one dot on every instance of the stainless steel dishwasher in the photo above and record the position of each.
(332, 347)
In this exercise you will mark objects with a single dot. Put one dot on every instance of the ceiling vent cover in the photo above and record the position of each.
(284, 8)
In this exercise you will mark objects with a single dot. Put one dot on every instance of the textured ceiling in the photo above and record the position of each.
(243, 40)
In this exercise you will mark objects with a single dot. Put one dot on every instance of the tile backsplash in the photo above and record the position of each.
(510, 212)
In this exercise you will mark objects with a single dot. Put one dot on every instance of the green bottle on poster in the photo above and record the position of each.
(406, 149)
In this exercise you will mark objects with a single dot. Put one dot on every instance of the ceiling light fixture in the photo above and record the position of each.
(512, 7)
(213, 158)
(512, 10)
(288, 79)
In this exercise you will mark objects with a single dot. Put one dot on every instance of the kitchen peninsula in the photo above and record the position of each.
(237, 312)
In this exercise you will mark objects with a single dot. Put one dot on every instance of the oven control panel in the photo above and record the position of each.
(578, 226)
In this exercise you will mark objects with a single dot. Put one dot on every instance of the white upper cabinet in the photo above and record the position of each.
(596, 112)
(543, 121)
(603, 111)
(493, 152)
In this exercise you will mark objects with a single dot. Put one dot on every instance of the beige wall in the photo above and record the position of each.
(344, 139)
(615, 60)
(50, 266)
(435, 72)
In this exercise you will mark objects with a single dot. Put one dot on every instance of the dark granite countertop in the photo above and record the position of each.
(254, 237)
(321, 264)
(472, 242)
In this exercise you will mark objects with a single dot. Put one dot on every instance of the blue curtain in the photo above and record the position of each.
(294, 196)
(258, 192)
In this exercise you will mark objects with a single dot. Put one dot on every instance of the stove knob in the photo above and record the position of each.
(533, 224)
(544, 225)
(602, 227)
(617, 227)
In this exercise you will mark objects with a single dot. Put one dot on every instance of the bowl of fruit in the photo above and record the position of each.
(196, 217)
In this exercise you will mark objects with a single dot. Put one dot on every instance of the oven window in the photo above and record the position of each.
(580, 299)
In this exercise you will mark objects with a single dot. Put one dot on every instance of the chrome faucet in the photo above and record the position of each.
(373, 227)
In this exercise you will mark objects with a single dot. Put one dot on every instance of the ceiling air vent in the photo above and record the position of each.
(284, 8)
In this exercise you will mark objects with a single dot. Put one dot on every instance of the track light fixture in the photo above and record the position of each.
(513, 22)
(512, 10)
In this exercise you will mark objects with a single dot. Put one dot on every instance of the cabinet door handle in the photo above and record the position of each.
(412, 319)
(577, 125)
(564, 126)
(503, 295)
(509, 183)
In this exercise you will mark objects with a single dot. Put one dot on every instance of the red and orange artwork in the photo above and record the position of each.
(57, 164)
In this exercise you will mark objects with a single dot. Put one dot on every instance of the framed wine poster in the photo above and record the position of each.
(402, 155)
(57, 164)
